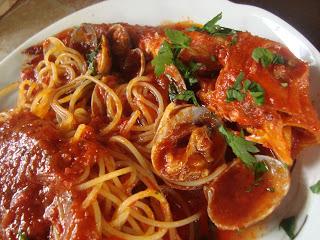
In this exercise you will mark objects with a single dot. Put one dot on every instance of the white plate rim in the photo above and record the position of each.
(15, 58)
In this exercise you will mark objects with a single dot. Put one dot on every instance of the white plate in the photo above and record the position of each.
(243, 17)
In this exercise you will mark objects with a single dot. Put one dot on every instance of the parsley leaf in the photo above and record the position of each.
(188, 71)
(234, 40)
(240, 147)
(168, 54)
(164, 57)
(234, 93)
(237, 91)
(210, 26)
(213, 28)
(289, 225)
(177, 38)
(187, 96)
(266, 57)
(255, 90)
(90, 61)
(260, 168)
(278, 59)
(315, 188)
(22, 236)
(169, 51)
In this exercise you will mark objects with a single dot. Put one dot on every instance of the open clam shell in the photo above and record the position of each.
(238, 199)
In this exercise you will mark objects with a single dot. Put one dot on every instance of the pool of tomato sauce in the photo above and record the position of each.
(37, 166)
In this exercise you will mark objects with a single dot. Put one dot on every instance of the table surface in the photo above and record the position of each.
(26, 17)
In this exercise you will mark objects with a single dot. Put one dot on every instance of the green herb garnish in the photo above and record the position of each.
(91, 61)
(289, 226)
(266, 57)
(168, 54)
(188, 71)
(164, 58)
(237, 91)
(255, 90)
(315, 188)
(22, 236)
(242, 148)
(260, 167)
(234, 93)
(177, 38)
(187, 96)
(213, 28)
(234, 40)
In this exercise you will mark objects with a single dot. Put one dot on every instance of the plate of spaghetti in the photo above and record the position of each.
(179, 120)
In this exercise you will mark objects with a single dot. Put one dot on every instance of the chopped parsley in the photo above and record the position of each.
(242, 148)
(188, 71)
(238, 91)
(164, 57)
(266, 57)
(168, 54)
(255, 90)
(234, 93)
(187, 95)
(91, 61)
(22, 236)
(234, 40)
(213, 28)
(177, 38)
(289, 226)
(315, 188)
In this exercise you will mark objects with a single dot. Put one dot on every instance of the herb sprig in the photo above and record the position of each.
(244, 149)
(315, 188)
(168, 54)
(186, 95)
(289, 226)
(238, 91)
(266, 57)
(164, 58)
(213, 28)
(91, 61)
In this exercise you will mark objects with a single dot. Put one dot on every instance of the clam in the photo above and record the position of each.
(187, 145)
(120, 41)
(84, 38)
(237, 198)
(104, 61)
(134, 64)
